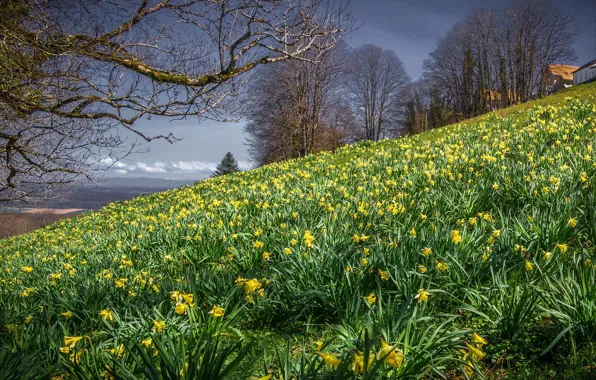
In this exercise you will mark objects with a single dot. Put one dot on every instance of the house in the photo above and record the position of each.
(559, 77)
(586, 73)
(496, 100)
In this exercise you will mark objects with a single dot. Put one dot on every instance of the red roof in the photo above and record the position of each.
(566, 71)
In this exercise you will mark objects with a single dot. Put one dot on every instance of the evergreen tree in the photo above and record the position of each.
(227, 165)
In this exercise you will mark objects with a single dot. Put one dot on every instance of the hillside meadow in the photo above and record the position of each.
(462, 252)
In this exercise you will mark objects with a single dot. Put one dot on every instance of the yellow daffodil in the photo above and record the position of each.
(107, 315)
(475, 352)
(251, 286)
(118, 351)
(309, 239)
(258, 244)
(384, 275)
(371, 298)
(66, 314)
(390, 354)
(480, 341)
(331, 362)
(469, 369)
(358, 363)
(456, 237)
(188, 298)
(442, 266)
(181, 308)
(266, 377)
(158, 326)
(422, 295)
(71, 341)
(217, 311)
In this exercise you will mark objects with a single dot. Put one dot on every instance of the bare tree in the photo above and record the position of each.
(109, 63)
(295, 108)
(41, 153)
(424, 107)
(375, 80)
(417, 105)
(495, 58)
(445, 67)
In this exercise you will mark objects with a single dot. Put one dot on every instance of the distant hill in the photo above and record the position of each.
(92, 197)
(144, 182)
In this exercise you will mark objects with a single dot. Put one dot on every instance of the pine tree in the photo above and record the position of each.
(227, 165)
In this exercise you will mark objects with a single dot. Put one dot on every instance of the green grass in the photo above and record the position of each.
(242, 275)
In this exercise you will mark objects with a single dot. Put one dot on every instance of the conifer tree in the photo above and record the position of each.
(227, 165)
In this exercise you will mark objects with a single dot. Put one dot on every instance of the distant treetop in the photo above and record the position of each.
(227, 165)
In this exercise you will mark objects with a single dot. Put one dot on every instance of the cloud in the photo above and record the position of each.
(158, 167)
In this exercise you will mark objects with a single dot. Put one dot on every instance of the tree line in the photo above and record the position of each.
(496, 58)
(491, 59)
(300, 108)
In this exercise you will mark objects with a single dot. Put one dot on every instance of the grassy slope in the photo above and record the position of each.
(402, 196)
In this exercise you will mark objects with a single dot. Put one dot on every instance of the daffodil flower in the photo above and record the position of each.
(390, 354)
(480, 341)
(71, 341)
(371, 298)
(217, 311)
(422, 295)
(158, 326)
(107, 315)
(67, 314)
(331, 362)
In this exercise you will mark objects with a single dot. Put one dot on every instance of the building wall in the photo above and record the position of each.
(584, 75)
(556, 83)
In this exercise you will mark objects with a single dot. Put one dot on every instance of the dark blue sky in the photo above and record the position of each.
(410, 28)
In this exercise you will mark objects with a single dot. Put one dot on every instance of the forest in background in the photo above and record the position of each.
(492, 59)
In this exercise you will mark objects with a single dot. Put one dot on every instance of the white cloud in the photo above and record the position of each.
(170, 167)
(118, 164)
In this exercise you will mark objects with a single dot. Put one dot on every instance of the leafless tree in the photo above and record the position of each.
(495, 58)
(42, 153)
(295, 108)
(424, 107)
(445, 66)
(375, 80)
(107, 63)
